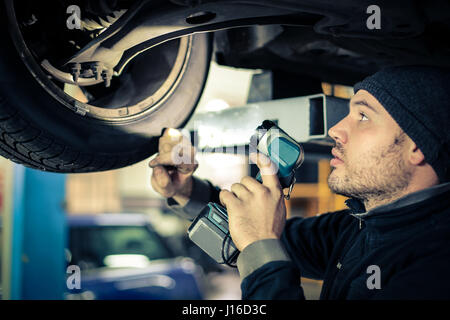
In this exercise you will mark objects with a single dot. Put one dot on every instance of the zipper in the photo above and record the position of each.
(338, 267)
(329, 279)
(358, 216)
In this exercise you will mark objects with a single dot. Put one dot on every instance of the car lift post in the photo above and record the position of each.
(35, 238)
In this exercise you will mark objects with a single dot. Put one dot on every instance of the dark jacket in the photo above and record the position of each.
(405, 245)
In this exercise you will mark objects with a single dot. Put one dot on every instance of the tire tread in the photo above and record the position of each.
(21, 143)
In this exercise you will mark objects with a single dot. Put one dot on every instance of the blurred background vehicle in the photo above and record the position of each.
(121, 257)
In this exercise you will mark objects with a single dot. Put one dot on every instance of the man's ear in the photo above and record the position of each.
(416, 156)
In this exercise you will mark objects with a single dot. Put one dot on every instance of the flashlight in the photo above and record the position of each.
(285, 153)
(210, 230)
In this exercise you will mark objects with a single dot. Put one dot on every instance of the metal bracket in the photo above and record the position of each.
(144, 26)
(80, 108)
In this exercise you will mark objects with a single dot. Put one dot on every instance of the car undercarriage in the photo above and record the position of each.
(109, 74)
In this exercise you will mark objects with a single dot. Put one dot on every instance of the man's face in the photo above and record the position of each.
(370, 154)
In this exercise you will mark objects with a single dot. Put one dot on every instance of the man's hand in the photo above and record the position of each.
(255, 211)
(173, 167)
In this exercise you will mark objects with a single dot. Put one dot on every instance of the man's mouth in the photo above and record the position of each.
(337, 158)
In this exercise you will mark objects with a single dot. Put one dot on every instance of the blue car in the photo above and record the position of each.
(120, 256)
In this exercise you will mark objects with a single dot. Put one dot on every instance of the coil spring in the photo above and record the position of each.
(100, 14)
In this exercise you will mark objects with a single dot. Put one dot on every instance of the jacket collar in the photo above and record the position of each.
(404, 210)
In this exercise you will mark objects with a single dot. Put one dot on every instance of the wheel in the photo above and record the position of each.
(48, 125)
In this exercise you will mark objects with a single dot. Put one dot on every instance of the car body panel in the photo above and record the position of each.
(128, 274)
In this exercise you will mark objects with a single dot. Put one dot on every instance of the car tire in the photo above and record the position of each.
(37, 131)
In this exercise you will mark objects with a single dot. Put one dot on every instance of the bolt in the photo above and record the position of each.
(75, 70)
(97, 70)
(107, 76)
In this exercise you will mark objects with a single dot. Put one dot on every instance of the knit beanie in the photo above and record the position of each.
(418, 98)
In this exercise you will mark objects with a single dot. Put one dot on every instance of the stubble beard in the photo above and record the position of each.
(378, 177)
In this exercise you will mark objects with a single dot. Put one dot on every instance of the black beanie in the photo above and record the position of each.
(418, 98)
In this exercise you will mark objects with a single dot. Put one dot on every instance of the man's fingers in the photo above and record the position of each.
(187, 168)
(164, 159)
(178, 156)
(251, 183)
(227, 198)
(161, 176)
(170, 138)
(261, 160)
(166, 144)
(268, 170)
(240, 191)
(184, 169)
(172, 133)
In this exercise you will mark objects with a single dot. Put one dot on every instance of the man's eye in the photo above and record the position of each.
(363, 117)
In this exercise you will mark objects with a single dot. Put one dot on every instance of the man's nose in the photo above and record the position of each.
(338, 132)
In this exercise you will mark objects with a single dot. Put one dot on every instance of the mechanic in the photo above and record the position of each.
(392, 161)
